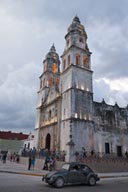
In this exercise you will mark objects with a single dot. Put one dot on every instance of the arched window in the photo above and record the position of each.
(64, 64)
(54, 68)
(68, 59)
(85, 61)
(57, 81)
(50, 81)
(40, 83)
(81, 40)
(50, 114)
(77, 59)
(48, 141)
(67, 42)
(44, 67)
(43, 82)
(87, 117)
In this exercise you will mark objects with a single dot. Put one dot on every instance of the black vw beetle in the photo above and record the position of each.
(71, 173)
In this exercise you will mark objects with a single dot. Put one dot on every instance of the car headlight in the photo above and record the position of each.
(52, 178)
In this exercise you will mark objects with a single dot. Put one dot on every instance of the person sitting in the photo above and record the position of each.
(75, 168)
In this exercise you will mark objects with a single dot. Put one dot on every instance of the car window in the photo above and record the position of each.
(75, 168)
(85, 168)
(65, 166)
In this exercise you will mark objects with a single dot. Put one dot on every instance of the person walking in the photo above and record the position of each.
(29, 163)
(4, 157)
(33, 163)
(51, 164)
(46, 163)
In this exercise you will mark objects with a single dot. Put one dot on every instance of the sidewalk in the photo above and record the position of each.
(13, 167)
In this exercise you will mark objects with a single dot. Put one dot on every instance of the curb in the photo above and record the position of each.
(23, 173)
(41, 174)
(112, 176)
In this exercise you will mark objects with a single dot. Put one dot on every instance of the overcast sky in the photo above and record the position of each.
(28, 28)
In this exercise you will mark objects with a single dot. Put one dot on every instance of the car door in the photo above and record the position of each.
(85, 170)
(75, 176)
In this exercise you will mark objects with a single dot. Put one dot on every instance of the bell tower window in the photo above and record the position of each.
(64, 64)
(40, 83)
(81, 40)
(68, 59)
(67, 42)
(77, 59)
(54, 68)
(44, 67)
(50, 114)
(50, 81)
(43, 82)
(85, 61)
(57, 81)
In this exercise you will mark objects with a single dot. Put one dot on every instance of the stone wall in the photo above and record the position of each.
(100, 167)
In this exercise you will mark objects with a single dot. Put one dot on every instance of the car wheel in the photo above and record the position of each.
(59, 182)
(92, 181)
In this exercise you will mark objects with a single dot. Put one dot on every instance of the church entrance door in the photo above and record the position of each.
(48, 141)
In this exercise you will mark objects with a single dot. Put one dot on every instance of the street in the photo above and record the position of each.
(23, 183)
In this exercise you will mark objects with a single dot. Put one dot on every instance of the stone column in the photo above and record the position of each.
(70, 155)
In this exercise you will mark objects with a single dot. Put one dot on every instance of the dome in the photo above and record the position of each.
(76, 19)
(53, 48)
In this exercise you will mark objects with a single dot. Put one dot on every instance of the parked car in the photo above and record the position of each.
(72, 173)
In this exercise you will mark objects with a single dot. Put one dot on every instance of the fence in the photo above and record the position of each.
(100, 157)
(42, 154)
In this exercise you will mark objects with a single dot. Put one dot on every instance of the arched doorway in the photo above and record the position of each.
(48, 141)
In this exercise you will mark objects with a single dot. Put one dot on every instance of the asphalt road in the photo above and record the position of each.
(23, 183)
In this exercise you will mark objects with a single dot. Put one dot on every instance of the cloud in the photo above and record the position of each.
(112, 91)
(29, 28)
(109, 59)
(18, 98)
(110, 51)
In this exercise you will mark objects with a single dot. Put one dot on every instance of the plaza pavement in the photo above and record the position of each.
(17, 168)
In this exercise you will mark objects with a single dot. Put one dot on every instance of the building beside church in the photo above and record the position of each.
(11, 142)
(67, 117)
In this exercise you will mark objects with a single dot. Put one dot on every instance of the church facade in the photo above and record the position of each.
(67, 117)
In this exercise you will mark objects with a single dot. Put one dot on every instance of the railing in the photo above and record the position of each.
(86, 158)
(42, 154)
(100, 157)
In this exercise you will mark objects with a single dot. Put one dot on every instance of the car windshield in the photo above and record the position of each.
(65, 166)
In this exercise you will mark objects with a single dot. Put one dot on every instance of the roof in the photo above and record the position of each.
(12, 136)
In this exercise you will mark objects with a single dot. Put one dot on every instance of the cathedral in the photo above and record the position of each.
(67, 117)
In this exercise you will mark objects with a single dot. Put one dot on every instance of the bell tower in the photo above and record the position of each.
(50, 76)
(47, 94)
(77, 91)
(76, 50)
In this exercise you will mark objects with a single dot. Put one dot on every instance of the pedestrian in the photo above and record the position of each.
(33, 163)
(92, 153)
(29, 163)
(126, 154)
(51, 164)
(17, 158)
(84, 152)
(4, 157)
(46, 163)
